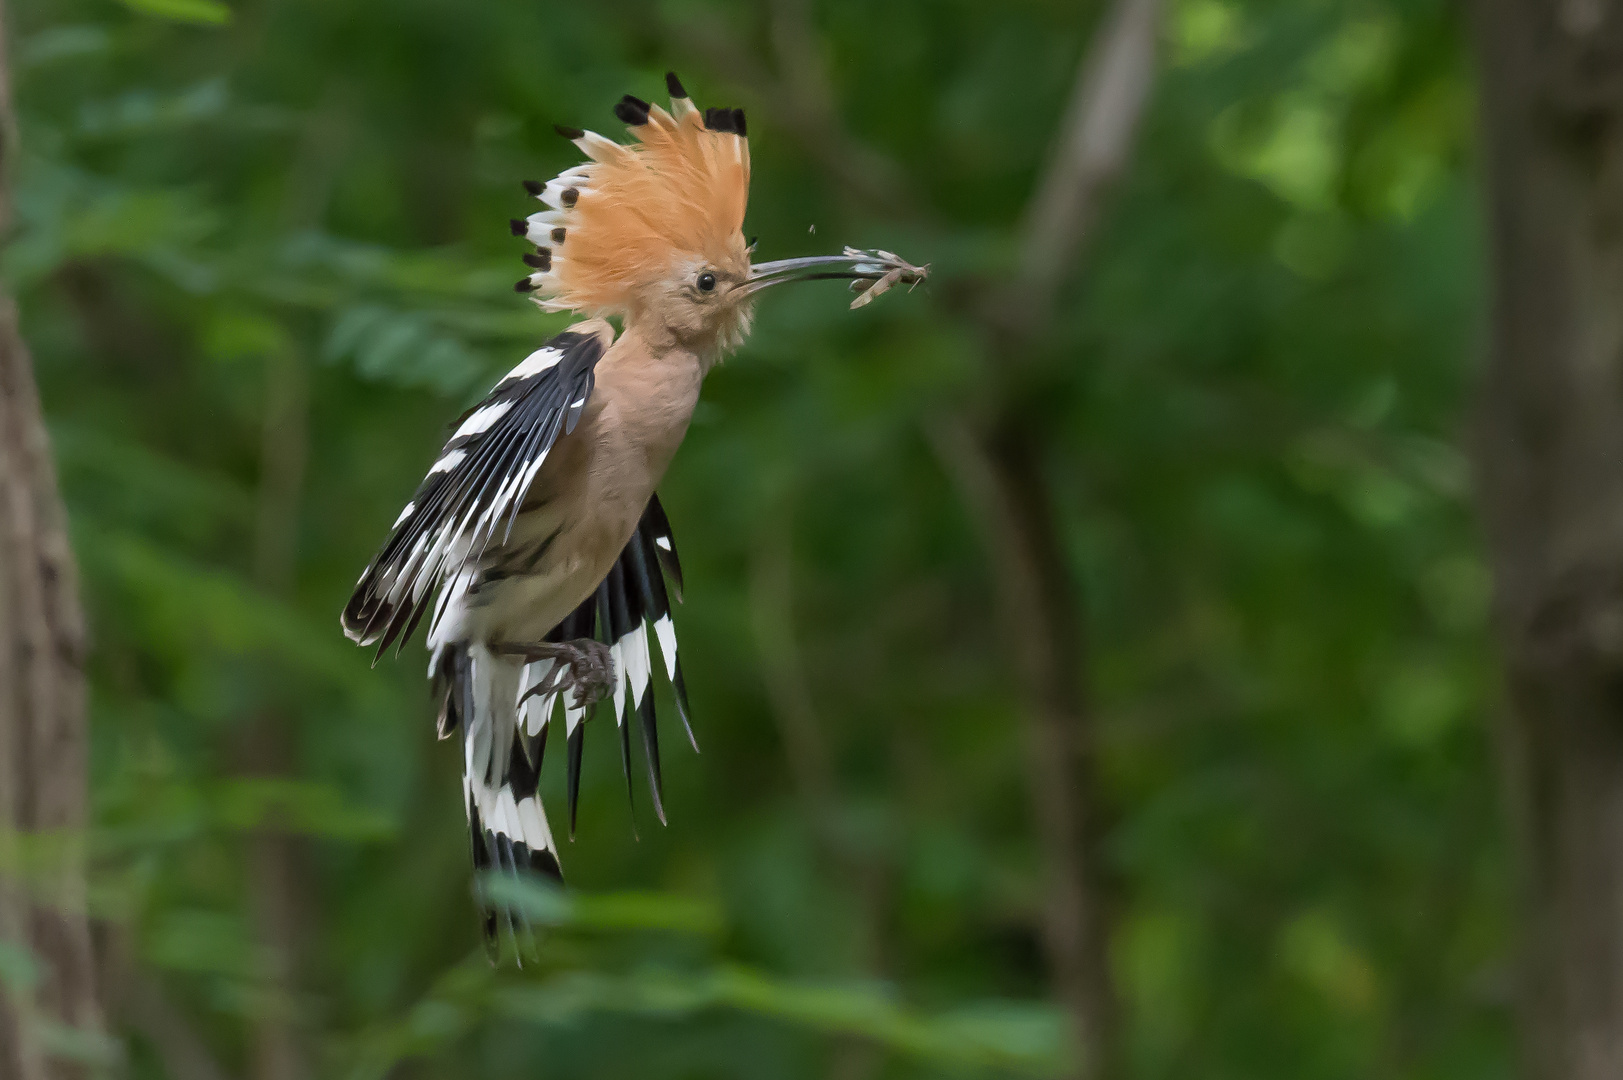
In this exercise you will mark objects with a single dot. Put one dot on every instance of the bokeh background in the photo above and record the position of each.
(262, 260)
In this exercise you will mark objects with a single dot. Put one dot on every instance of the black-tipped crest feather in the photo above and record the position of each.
(632, 111)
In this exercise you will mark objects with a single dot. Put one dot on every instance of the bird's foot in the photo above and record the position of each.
(583, 665)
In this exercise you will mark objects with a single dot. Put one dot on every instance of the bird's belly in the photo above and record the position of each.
(526, 604)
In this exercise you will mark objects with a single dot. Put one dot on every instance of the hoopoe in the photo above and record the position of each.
(537, 538)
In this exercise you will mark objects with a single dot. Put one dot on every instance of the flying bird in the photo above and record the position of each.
(536, 544)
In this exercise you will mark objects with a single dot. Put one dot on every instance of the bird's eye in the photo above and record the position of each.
(707, 281)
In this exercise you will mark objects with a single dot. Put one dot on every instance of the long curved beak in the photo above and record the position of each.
(870, 272)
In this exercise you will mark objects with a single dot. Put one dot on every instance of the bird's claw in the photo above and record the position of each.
(583, 665)
(592, 673)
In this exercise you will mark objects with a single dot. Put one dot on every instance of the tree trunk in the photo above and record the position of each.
(43, 740)
(1549, 455)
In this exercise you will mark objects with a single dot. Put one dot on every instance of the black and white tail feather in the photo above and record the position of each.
(468, 500)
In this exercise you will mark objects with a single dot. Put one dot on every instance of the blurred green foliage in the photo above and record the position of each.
(293, 214)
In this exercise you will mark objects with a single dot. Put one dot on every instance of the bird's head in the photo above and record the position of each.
(653, 232)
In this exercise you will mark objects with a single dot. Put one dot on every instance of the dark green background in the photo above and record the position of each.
(1251, 407)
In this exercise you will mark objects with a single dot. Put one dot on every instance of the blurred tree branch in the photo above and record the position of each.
(1548, 443)
(1092, 150)
(1001, 472)
(997, 460)
(43, 736)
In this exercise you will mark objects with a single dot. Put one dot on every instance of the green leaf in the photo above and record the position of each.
(86, 1047)
(202, 12)
(19, 971)
(300, 806)
(548, 905)
(1024, 1038)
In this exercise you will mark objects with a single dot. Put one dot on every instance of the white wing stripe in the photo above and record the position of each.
(507, 814)
(534, 364)
(448, 461)
(634, 647)
(666, 631)
(482, 418)
(532, 818)
(538, 708)
(619, 677)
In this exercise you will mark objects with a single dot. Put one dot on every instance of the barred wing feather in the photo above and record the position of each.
(474, 489)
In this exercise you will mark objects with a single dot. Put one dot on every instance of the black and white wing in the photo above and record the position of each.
(633, 601)
(472, 493)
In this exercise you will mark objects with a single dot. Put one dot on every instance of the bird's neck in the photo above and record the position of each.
(647, 392)
(660, 342)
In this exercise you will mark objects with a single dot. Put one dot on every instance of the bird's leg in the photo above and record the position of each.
(583, 665)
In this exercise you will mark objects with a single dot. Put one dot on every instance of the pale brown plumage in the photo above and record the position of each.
(537, 540)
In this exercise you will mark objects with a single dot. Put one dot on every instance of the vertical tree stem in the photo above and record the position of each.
(43, 737)
(1549, 456)
(275, 863)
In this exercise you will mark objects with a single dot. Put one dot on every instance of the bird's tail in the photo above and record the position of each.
(501, 766)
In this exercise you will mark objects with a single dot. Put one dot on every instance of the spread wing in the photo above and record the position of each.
(473, 491)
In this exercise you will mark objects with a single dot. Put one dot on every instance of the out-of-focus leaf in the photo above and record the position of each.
(404, 348)
(145, 113)
(204, 12)
(1027, 1039)
(298, 806)
(19, 971)
(58, 43)
(201, 940)
(548, 905)
(193, 607)
(93, 1048)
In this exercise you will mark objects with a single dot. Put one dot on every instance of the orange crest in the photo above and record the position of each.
(623, 219)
